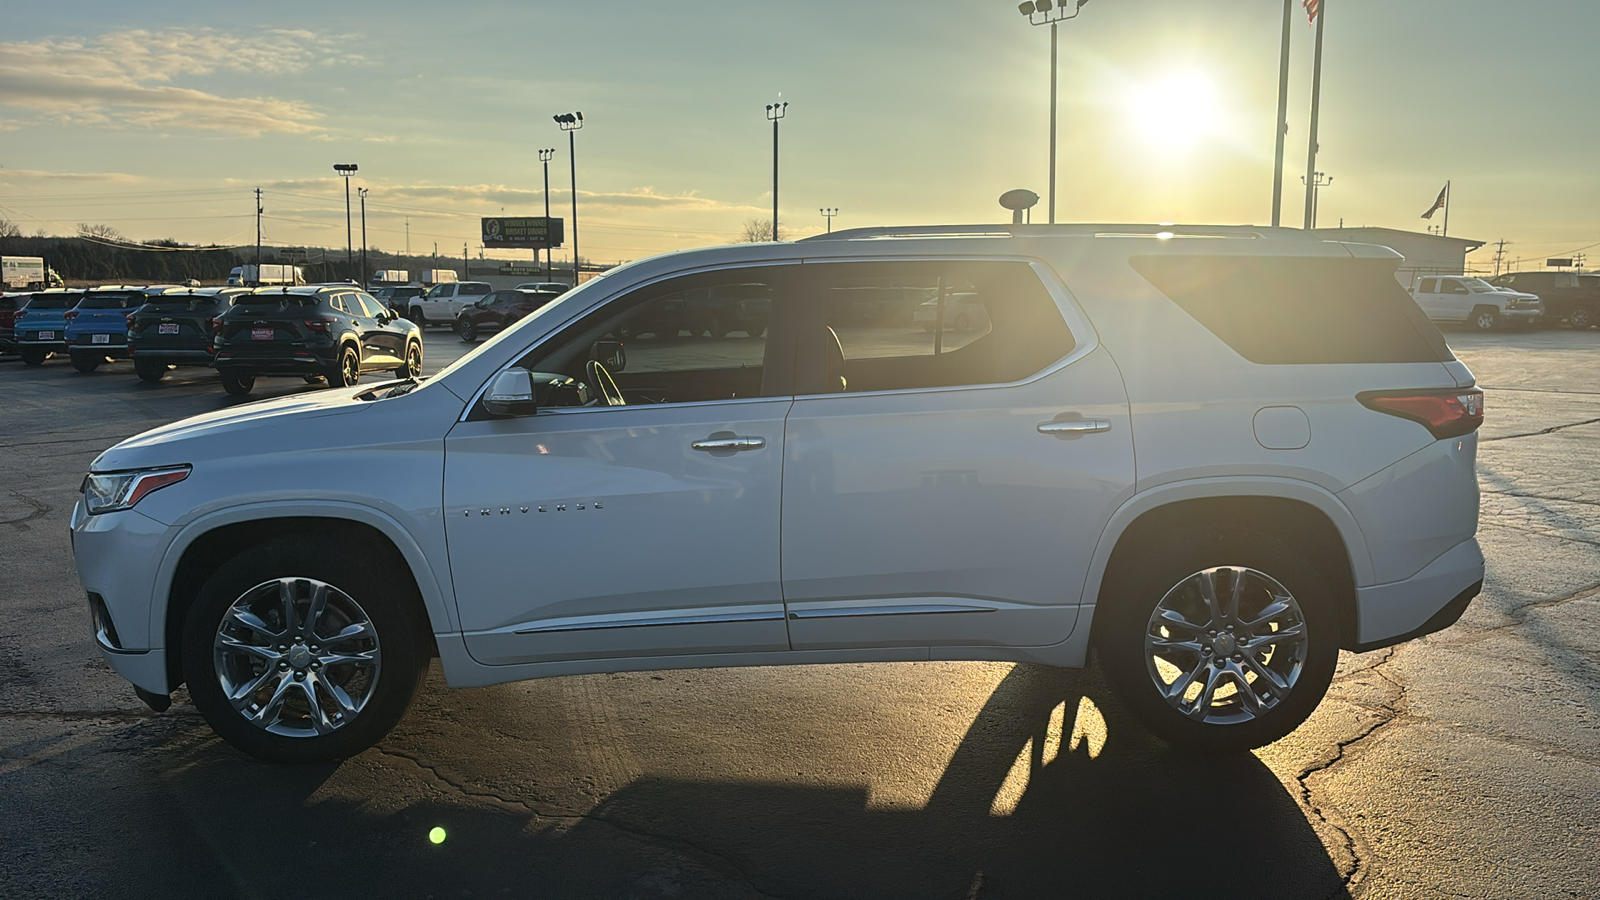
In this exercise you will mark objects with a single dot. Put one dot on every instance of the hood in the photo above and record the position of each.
(220, 431)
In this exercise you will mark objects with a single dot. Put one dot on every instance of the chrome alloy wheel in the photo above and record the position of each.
(297, 657)
(1226, 645)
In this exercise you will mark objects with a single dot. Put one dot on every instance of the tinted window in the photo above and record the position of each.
(54, 301)
(474, 290)
(1286, 310)
(1428, 286)
(1452, 286)
(898, 326)
(110, 300)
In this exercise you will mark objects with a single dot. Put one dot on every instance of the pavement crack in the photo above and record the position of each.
(708, 858)
(87, 715)
(1551, 430)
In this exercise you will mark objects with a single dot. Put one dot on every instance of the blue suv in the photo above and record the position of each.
(41, 325)
(97, 330)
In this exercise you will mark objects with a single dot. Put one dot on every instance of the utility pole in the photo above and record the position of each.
(363, 193)
(1283, 116)
(1499, 253)
(258, 232)
(408, 236)
(1320, 13)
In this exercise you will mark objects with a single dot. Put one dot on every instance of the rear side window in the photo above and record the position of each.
(1279, 310)
(474, 290)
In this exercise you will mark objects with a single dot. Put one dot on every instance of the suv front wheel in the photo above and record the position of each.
(1218, 642)
(298, 652)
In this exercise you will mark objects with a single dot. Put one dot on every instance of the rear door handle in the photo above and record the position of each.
(727, 444)
(1075, 427)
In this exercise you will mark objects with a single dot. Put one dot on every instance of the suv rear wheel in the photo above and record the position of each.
(295, 651)
(467, 330)
(1580, 318)
(349, 371)
(1219, 642)
(238, 383)
(149, 371)
(86, 362)
(33, 356)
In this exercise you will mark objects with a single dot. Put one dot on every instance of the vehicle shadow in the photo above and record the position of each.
(1051, 792)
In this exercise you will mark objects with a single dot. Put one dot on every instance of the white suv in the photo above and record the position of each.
(1217, 461)
(1475, 302)
(442, 302)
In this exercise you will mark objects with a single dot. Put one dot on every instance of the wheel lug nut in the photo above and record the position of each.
(282, 666)
(1238, 657)
(299, 676)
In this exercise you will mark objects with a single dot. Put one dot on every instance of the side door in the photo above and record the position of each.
(1455, 300)
(1427, 297)
(382, 345)
(594, 531)
(946, 488)
(437, 301)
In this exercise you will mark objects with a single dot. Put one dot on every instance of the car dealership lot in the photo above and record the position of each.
(1464, 764)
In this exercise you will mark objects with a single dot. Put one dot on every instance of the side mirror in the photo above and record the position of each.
(609, 354)
(511, 394)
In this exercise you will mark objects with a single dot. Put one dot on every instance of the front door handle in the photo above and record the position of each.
(732, 443)
(1075, 427)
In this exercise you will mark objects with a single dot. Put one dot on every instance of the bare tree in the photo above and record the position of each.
(9, 229)
(756, 231)
(103, 232)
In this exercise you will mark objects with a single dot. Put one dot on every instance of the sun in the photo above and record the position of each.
(1175, 112)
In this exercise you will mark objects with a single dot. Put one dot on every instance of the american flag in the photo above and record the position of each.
(1311, 9)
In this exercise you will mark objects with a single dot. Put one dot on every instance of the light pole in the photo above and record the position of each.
(363, 193)
(544, 157)
(775, 112)
(571, 122)
(1044, 12)
(1319, 180)
(828, 213)
(347, 169)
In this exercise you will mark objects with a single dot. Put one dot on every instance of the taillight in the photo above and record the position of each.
(70, 314)
(129, 318)
(19, 314)
(1445, 413)
(320, 324)
(216, 326)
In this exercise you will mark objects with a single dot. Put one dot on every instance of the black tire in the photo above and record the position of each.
(238, 383)
(413, 364)
(716, 328)
(86, 363)
(1580, 318)
(1166, 575)
(33, 356)
(363, 590)
(756, 331)
(415, 315)
(466, 330)
(1484, 318)
(348, 372)
(149, 371)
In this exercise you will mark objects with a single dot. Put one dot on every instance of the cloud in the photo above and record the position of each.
(126, 79)
(486, 199)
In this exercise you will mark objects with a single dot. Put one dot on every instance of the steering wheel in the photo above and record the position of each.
(601, 381)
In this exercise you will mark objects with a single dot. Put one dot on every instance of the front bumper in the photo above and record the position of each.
(1522, 315)
(1430, 600)
(117, 556)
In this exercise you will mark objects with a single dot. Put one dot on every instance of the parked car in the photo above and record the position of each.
(1564, 294)
(443, 302)
(396, 297)
(559, 287)
(176, 328)
(97, 328)
(1217, 462)
(336, 332)
(959, 312)
(9, 304)
(496, 310)
(1459, 299)
(712, 310)
(41, 326)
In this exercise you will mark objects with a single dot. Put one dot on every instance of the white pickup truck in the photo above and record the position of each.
(442, 301)
(1480, 305)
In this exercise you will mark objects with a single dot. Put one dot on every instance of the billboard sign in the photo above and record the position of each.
(1562, 263)
(525, 232)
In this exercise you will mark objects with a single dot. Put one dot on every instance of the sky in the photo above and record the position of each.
(162, 118)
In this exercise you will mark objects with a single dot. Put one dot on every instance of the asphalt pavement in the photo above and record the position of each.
(1466, 764)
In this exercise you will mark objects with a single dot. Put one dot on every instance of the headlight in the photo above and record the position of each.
(111, 491)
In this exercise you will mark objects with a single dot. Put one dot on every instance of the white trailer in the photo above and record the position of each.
(22, 271)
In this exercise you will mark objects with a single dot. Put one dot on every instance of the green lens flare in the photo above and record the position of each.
(436, 835)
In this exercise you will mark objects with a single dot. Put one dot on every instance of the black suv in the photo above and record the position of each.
(177, 328)
(498, 310)
(332, 331)
(1566, 295)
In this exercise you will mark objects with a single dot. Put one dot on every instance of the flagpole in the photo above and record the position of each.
(1316, 100)
(1446, 209)
(1283, 116)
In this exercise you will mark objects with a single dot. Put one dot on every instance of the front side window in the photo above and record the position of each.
(886, 326)
(696, 338)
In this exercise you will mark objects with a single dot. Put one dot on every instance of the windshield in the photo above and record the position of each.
(1479, 286)
(53, 301)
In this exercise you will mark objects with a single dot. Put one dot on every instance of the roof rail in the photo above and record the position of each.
(1079, 229)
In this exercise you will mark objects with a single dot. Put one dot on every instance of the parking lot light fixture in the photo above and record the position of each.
(571, 122)
(775, 113)
(1043, 12)
(363, 192)
(347, 169)
(828, 213)
(544, 157)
